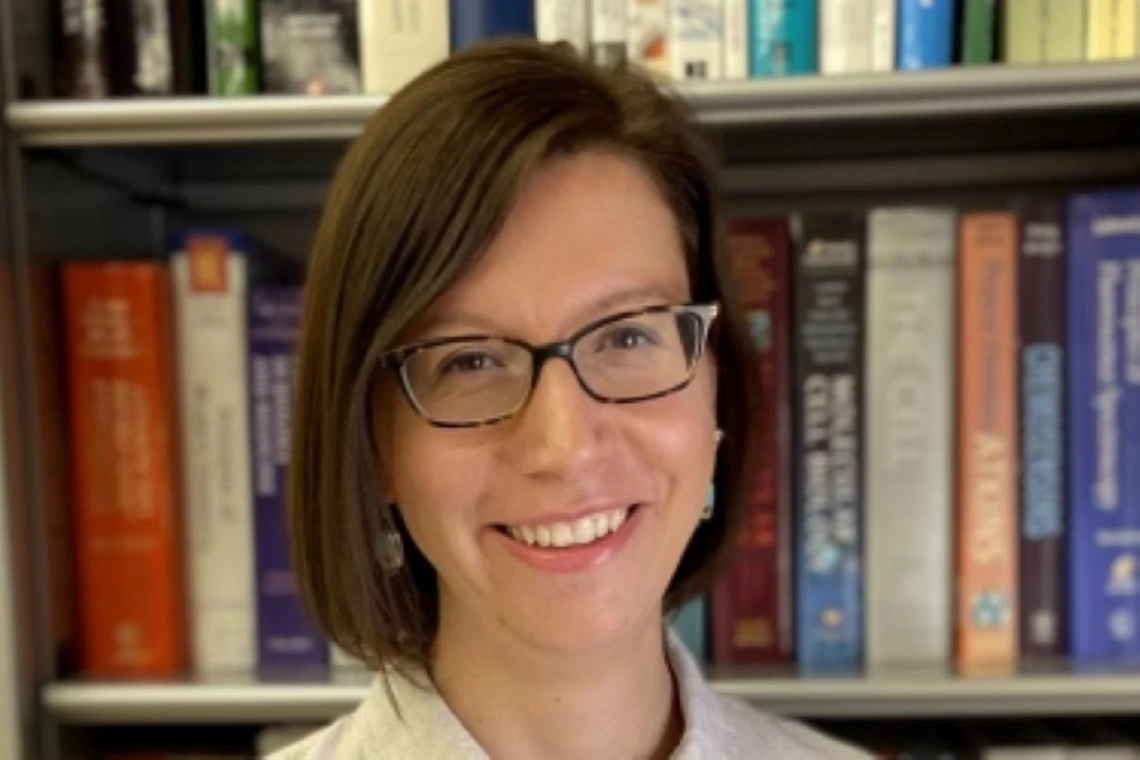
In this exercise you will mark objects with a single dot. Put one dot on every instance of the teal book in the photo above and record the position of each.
(784, 37)
(689, 623)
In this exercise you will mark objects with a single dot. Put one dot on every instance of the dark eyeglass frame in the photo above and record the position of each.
(396, 360)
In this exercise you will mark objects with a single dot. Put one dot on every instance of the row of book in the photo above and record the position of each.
(242, 47)
(954, 473)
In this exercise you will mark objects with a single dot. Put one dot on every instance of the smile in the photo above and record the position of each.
(584, 530)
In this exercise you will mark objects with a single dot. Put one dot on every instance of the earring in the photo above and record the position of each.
(390, 551)
(718, 435)
(710, 503)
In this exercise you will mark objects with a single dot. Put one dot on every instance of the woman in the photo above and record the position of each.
(520, 370)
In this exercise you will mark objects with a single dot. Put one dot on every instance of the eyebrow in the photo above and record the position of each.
(613, 302)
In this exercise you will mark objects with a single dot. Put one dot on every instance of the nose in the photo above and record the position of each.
(560, 430)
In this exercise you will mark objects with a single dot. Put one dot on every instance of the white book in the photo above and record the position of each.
(400, 39)
(696, 39)
(735, 39)
(209, 286)
(846, 36)
(558, 20)
(647, 35)
(883, 35)
(608, 24)
(910, 424)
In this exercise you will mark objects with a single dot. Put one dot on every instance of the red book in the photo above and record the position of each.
(752, 601)
(123, 459)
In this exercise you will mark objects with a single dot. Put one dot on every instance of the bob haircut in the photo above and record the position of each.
(415, 200)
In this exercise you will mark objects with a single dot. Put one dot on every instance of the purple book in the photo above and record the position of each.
(286, 640)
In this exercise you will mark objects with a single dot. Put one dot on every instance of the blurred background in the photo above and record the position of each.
(934, 222)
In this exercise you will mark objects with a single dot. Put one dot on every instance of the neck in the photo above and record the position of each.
(518, 702)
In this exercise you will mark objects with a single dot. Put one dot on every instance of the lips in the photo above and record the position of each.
(572, 545)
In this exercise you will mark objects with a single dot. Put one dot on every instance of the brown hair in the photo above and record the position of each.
(415, 200)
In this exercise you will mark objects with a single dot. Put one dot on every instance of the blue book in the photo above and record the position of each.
(1104, 417)
(828, 411)
(473, 21)
(783, 37)
(689, 623)
(287, 641)
(925, 34)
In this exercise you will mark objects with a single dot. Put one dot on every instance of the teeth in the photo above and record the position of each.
(582, 531)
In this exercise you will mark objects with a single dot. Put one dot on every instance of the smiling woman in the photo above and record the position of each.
(521, 370)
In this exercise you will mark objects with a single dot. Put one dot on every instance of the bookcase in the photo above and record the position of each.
(81, 178)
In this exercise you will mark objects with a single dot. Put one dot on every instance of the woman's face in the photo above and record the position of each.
(590, 236)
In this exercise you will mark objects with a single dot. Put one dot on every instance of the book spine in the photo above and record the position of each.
(563, 20)
(909, 413)
(83, 71)
(1064, 23)
(926, 34)
(783, 35)
(1042, 309)
(752, 601)
(608, 31)
(400, 39)
(124, 474)
(846, 36)
(647, 35)
(286, 639)
(1111, 29)
(987, 442)
(142, 59)
(313, 51)
(209, 271)
(696, 39)
(736, 39)
(689, 624)
(1104, 362)
(1024, 39)
(883, 35)
(231, 38)
(828, 450)
(473, 21)
(978, 32)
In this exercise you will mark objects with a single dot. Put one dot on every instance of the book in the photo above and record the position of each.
(925, 33)
(1110, 29)
(231, 40)
(647, 35)
(987, 442)
(751, 602)
(735, 39)
(287, 640)
(846, 36)
(1043, 574)
(1038, 31)
(473, 21)
(399, 39)
(782, 37)
(208, 268)
(1103, 408)
(689, 624)
(83, 50)
(310, 47)
(608, 31)
(696, 39)
(883, 35)
(125, 475)
(564, 20)
(142, 53)
(909, 414)
(828, 452)
(978, 31)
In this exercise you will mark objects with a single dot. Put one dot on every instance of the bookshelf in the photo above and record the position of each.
(787, 144)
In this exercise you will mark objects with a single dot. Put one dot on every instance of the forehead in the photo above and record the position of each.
(588, 232)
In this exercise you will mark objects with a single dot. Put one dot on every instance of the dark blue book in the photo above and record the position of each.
(1104, 420)
(287, 641)
(476, 20)
(925, 33)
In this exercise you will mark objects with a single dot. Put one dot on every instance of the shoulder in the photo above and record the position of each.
(318, 745)
(737, 729)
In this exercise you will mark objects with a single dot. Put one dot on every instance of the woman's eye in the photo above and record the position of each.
(469, 363)
(627, 338)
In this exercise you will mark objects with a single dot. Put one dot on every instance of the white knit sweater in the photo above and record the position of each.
(716, 727)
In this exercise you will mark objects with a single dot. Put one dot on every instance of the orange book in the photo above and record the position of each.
(123, 458)
(987, 442)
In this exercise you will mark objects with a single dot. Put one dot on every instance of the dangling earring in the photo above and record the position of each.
(390, 550)
(710, 503)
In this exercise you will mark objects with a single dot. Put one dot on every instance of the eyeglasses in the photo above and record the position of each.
(474, 380)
